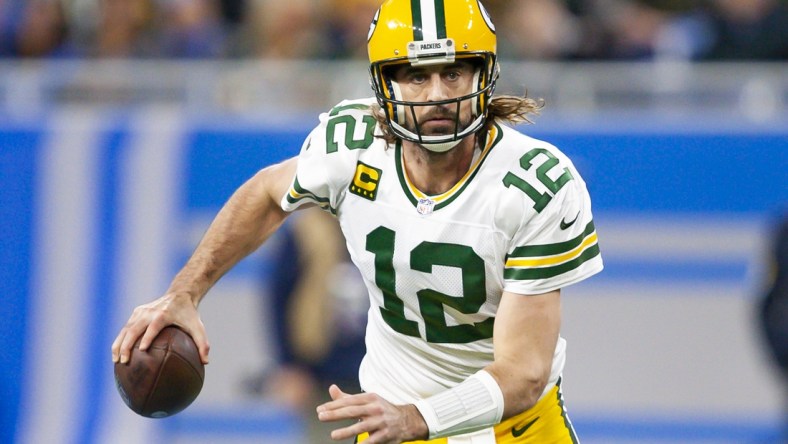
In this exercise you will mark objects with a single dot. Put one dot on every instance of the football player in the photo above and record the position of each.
(464, 229)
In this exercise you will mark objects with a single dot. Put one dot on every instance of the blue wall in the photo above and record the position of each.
(643, 172)
(668, 173)
(18, 151)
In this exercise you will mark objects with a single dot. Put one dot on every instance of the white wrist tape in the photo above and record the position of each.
(474, 404)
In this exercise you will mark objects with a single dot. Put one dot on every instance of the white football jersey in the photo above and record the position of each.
(436, 266)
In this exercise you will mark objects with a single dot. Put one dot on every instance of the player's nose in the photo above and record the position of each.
(436, 89)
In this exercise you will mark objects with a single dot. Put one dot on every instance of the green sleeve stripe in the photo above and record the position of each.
(552, 249)
(293, 200)
(303, 192)
(523, 274)
(323, 205)
(338, 109)
(298, 193)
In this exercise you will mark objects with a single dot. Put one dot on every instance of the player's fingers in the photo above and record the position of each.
(344, 401)
(116, 346)
(380, 437)
(151, 331)
(121, 348)
(347, 432)
(336, 393)
(349, 407)
(197, 333)
(347, 412)
(130, 335)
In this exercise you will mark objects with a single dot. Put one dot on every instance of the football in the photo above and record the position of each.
(164, 379)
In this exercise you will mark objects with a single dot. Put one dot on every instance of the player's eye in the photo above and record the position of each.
(417, 77)
(453, 75)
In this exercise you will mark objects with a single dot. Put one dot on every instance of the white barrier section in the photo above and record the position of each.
(149, 188)
(67, 207)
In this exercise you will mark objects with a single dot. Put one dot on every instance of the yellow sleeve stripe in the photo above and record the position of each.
(552, 260)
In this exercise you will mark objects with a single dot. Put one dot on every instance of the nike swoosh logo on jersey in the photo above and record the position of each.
(518, 432)
(565, 224)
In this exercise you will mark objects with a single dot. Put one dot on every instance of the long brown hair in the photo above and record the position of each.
(504, 108)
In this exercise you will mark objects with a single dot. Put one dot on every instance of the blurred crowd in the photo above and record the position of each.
(337, 29)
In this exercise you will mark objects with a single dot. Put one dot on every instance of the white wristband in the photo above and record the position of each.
(474, 404)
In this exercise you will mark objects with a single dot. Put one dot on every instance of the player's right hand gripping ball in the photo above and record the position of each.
(164, 379)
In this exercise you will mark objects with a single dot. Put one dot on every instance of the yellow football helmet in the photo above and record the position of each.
(426, 32)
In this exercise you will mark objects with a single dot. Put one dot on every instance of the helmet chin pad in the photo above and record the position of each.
(436, 144)
(440, 147)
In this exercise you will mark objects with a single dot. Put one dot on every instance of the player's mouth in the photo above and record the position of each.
(442, 118)
(438, 127)
(439, 120)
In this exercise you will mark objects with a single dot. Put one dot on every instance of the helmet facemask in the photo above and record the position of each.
(397, 111)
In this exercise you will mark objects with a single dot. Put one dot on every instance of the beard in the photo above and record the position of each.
(438, 121)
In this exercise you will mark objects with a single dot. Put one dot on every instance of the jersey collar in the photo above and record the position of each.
(441, 200)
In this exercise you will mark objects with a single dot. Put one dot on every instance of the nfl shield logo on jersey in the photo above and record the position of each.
(425, 206)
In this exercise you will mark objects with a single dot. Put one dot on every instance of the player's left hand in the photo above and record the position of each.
(385, 422)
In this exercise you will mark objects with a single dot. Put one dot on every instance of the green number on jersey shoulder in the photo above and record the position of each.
(349, 122)
(423, 258)
(553, 186)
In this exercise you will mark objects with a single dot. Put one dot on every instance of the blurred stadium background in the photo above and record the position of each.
(125, 124)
